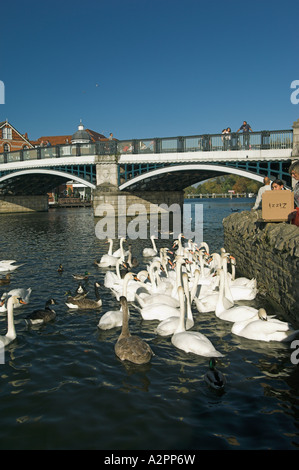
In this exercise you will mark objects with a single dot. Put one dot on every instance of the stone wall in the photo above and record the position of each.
(23, 204)
(268, 252)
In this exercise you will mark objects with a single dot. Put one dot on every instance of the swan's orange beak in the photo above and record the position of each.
(23, 302)
(2, 302)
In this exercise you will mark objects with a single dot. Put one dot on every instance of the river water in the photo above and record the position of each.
(62, 387)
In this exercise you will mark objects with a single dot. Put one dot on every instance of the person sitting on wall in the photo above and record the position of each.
(294, 172)
(266, 187)
(277, 185)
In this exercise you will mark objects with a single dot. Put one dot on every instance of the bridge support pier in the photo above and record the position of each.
(129, 203)
(108, 195)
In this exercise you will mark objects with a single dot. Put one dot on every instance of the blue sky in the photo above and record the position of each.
(148, 68)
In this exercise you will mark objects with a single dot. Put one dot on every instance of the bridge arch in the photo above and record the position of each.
(194, 173)
(24, 181)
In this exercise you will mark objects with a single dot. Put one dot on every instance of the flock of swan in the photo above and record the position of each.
(170, 288)
(173, 285)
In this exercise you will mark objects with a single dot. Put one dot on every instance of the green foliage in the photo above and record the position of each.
(223, 184)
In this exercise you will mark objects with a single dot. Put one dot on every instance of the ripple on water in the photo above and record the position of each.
(63, 387)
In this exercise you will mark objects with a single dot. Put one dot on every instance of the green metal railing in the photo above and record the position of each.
(282, 139)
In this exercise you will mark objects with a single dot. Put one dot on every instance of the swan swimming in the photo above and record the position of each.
(214, 378)
(11, 332)
(168, 326)
(114, 318)
(19, 293)
(108, 260)
(128, 347)
(148, 252)
(264, 328)
(192, 341)
(235, 312)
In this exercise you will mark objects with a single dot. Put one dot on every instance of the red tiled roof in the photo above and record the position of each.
(63, 139)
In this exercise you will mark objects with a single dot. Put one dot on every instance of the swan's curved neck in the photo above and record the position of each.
(154, 244)
(181, 325)
(117, 267)
(187, 295)
(122, 253)
(125, 332)
(11, 332)
(228, 293)
(110, 241)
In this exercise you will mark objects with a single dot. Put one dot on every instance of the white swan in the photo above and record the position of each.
(158, 292)
(112, 278)
(5, 267)
(264, 328)
(148, 252)
(233, 313)
(168, 327)
(192, 341)
(108, 259)
(127, 287)
(239, 281)
(19, 292)
(208, 303)
(114, 318)
(233, 292)
(11, 331)
(121, 253)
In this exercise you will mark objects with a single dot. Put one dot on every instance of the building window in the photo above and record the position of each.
(6, 148)
(6, 133)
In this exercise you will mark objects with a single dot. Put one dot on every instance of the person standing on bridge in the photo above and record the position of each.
(266, 187)
(245, 128)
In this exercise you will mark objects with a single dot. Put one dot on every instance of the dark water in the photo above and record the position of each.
(62, 387)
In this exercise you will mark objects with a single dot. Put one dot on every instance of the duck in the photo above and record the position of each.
(84, 303)
(264, 328)
(41, 316)
(128, 347)
(6, 280)
(168, 326)
(11, 331)
(60, 269)
(192, 341)
(213, 377)
(81, 277)
(149, 252)
(19, 293)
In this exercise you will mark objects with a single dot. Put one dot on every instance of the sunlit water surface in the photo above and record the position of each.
(62, 387)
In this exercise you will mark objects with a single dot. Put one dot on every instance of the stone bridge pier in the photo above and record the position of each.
(107, 193)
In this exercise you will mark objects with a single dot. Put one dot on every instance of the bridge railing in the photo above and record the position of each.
(209, 142)
(282, 139)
